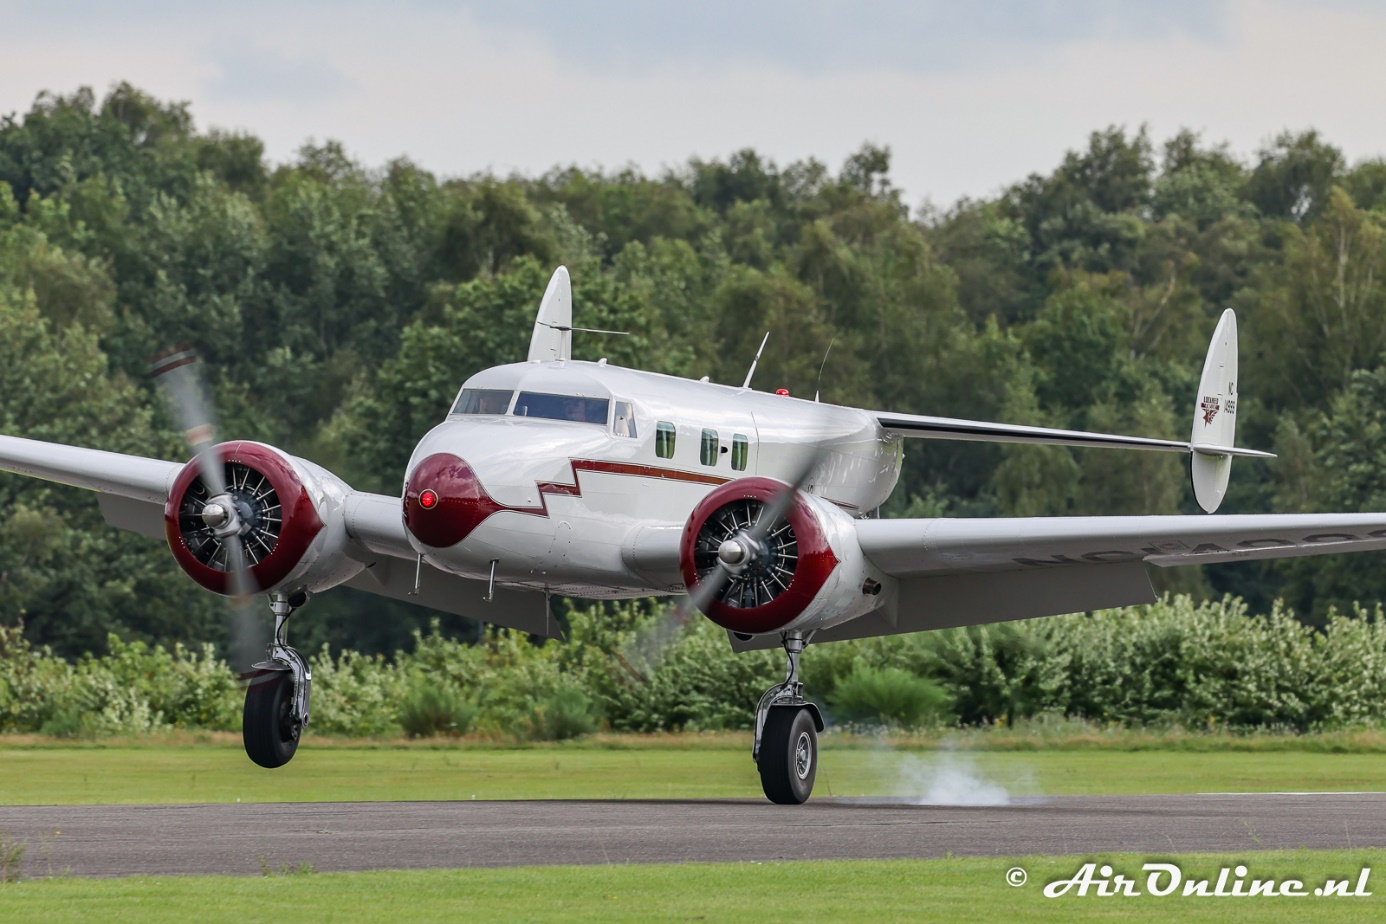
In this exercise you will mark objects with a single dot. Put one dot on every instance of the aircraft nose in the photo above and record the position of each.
(444, 501)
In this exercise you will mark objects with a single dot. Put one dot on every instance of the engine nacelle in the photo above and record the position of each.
(810, 572)
(295, 537)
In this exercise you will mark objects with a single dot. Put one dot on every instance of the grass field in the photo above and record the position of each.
(34, 772)
(885, 890)
(213, 769)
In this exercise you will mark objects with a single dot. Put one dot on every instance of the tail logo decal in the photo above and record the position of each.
(1210, 405)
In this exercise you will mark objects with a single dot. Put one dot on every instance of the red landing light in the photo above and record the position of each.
(428, 499)
(782, 391)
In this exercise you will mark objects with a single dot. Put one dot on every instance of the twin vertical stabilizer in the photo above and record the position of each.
(553, 327)
(1215, 417)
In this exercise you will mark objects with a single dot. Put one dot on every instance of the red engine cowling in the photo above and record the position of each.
(810, 572)
(293, 510)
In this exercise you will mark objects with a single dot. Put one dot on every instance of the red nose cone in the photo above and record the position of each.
(454, 503)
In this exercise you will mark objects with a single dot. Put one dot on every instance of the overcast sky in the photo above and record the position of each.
(969, 96)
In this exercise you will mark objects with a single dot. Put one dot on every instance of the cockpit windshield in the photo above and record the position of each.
(483, 401)
(562, 407)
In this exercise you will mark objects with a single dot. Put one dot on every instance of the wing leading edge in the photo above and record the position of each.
(910, 548)
(133, 477)
(967, 572)
(133, 490)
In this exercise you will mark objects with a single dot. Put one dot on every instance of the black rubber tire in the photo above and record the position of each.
(788, 756)
(267, 726)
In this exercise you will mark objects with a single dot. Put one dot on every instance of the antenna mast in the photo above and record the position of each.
(817, 385)
(752, 370)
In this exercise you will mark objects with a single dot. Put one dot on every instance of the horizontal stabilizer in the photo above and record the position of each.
(952, 428)
(1210, 450)
(1211, 445)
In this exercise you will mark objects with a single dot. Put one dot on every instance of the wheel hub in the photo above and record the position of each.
(803, 756)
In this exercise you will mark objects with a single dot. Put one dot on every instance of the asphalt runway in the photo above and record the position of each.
(99, 840)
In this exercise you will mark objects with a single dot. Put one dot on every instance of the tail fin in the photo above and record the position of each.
(1215, 417)
(553, 327)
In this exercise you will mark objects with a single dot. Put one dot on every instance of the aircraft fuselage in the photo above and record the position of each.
(572, 476)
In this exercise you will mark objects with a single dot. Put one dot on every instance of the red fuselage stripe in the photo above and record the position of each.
(624, 468)
(559, 489)
(463, 503)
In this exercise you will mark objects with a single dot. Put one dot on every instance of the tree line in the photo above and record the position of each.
(1211, 666)
(341, 305)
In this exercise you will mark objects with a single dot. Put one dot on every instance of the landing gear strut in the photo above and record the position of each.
(787, 726)
(276, 700)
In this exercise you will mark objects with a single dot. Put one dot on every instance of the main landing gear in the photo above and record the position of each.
(276, 700)
(787, 727)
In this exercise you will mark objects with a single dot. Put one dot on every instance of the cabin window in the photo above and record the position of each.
(623, 423)
(740, 451)
(708, 452)
(483, 401)
(664, 439)
(562, 407)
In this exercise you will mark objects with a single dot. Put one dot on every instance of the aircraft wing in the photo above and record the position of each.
(134, 477)
(919, 548)
(133, 490)
(960, 572)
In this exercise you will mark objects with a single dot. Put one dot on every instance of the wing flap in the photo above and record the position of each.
(526, 610)
(950, 600)
(376, 522)
(137, 516)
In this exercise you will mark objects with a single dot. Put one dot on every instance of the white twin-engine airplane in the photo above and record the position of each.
(554, 476)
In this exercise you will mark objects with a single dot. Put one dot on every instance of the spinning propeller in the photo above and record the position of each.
(228, 511)
(744, 546)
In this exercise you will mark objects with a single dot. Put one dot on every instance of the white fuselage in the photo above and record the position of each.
(577, 502)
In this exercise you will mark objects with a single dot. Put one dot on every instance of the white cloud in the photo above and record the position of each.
(833, 36)
(250, 72)
(458, 94)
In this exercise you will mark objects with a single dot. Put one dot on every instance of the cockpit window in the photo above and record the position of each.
(562, 407)
(483, 401)
(623, 424)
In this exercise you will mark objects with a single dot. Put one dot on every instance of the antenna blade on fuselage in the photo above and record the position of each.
(752, 371)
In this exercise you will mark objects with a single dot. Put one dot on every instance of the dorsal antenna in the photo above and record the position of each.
(819, 384)
(752, 371)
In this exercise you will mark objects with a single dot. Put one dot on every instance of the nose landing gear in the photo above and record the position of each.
(276, 699)
(787, 726)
